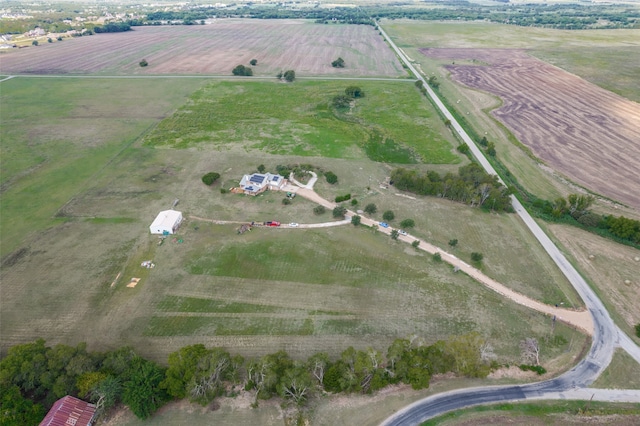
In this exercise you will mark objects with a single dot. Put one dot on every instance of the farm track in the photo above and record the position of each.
(580, 319)
(579, 129)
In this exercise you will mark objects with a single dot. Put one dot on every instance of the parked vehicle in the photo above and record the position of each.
(401, 232)
(293, 225)
(272, 223)
(384, 224)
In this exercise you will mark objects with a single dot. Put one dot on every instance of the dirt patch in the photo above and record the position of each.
(512, 372)
(581, 130)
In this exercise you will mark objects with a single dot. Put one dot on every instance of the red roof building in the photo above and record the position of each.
(70, 411)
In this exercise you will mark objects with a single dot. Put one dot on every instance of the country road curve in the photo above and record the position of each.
(606, 337)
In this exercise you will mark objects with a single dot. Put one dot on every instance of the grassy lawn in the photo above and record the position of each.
(58, 134)
(391, 124)
(622, 373)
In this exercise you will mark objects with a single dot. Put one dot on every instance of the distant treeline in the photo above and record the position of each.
(33, 376)
(116, 27)
(472, 185)
(562, 16)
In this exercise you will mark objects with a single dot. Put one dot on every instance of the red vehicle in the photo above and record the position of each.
(273, 223)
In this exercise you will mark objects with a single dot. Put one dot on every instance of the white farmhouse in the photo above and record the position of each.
(167, 222)
(257, 183)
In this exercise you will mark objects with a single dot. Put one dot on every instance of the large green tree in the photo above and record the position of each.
(16, 410)
(142, 392)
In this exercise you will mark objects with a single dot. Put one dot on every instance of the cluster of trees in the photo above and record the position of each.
(561, 16)
(241, 70)
(472, 185)
(288, 76)
(344, 100)
(115, 27)
(489, 147)
(33, 376)
(576, 207)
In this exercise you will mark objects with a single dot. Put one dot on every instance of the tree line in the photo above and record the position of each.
(33, 375)
(575, 210)
(472, 185)
(560, 16)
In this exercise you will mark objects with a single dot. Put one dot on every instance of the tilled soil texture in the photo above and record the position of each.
(215, 49)
(590, 135)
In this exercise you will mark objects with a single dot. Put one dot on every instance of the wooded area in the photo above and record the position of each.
(33, 376)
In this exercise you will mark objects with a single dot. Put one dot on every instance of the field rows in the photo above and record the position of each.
(215, 49)
(584, 132)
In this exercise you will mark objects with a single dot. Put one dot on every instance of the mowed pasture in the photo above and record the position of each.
(215, 49)
(392, 123)
(57, 134)
(584, 132)
(65, 274)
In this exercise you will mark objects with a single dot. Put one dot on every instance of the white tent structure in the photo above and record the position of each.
(167, 222)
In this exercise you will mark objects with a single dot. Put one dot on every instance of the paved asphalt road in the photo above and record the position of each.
(607, 336)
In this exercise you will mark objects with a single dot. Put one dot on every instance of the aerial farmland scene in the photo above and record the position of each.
(319, 213)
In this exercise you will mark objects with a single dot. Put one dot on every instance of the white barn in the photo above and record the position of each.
(167, 222)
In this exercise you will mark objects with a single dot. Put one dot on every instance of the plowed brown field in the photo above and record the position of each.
(589, 134)
(217, 48)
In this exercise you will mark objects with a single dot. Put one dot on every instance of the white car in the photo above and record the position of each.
(401, 232)
(293, 225)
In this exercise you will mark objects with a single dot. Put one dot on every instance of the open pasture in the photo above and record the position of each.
(298, 119)
(65, 278)
(216, 49)
(58, 134)
(584, 132)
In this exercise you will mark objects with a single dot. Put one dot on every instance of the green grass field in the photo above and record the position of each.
(302, 290)
(58, 134)
(622, 373)
(391, 124)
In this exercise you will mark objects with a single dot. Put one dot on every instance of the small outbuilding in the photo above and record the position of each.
(70, 411)
(167, 222)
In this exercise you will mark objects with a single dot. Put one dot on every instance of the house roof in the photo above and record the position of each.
(167, 218)
(257, 181)
(69, 411)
